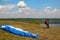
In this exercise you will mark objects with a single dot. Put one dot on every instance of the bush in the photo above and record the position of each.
(35, 22)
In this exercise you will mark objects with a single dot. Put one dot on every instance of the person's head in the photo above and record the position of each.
(47, 19)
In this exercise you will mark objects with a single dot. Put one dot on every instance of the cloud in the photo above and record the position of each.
(16, 11)
(1, 6)
(22, 4)
(6, 6)
(48, 13)
(22, 10)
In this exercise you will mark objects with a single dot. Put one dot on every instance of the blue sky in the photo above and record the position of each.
(34, 3)
(38, 7)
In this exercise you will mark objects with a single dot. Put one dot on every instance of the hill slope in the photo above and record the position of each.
(52, 33)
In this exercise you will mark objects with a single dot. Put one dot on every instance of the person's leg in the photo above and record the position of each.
(47, 25)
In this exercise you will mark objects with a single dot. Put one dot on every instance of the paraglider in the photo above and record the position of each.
(17, 31)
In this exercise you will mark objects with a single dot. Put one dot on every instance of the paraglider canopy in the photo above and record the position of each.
(17, 31)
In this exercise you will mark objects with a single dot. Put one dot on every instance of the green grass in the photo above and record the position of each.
(35, 22)
(52, 33)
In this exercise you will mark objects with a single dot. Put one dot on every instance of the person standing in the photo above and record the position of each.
(47, 22)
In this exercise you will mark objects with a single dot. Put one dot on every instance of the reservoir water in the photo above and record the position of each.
(55, 25)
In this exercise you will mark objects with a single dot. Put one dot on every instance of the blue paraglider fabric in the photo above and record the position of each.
(18, 31)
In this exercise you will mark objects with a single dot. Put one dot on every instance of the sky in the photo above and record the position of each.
(29, 8)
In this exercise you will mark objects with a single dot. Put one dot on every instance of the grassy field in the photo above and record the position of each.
(53, 33)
